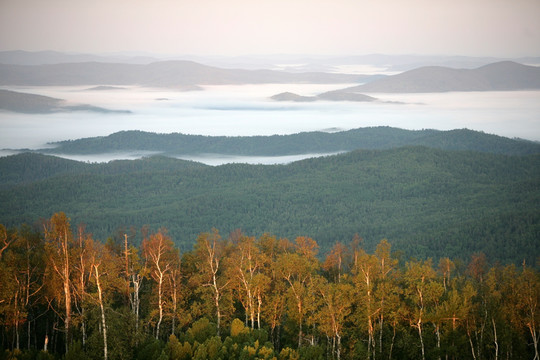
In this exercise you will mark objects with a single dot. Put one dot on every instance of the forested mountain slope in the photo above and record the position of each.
(428, 202)
(30, 167)
(302, 143)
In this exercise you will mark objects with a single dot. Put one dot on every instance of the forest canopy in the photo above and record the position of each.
(65, 294)
(427, 202)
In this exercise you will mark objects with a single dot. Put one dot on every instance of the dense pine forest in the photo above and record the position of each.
(380, 137)
(67, 295)
(427, 202)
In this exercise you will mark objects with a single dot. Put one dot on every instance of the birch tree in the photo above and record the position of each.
(105, 270)
(420, 291)
(59, 245)
(160, 255)
(210, 252)
(364, 275)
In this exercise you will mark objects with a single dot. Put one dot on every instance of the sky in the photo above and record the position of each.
(500, 28)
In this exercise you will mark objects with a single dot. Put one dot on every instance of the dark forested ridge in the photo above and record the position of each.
(302, 143)
(29, 167)
(64, 294)
(428, 202)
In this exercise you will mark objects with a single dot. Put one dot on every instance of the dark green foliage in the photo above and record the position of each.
(177, 350)
(427, 202)
(76, 352)
(150, 349)
(122, 336)
(312, 352)
(200, 331)
(307, 142)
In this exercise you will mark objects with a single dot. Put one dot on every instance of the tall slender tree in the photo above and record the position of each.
(420, 291)
(210, 253)
(59, 250)
(528, 302)
(336, 300)
(365, 274)
(105, 269)
(160, 257)
(296, 269)
(385, 288)
(82, 272)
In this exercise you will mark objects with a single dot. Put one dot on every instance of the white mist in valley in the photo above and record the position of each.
(246, 110)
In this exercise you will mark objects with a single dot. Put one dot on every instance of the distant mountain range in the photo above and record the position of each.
(501, 76)
(38, 104)
(176, 144)
(20, 57)
(160, 74)
(292, 63)
(505, 75)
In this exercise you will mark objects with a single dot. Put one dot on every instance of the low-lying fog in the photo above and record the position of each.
(247, 110)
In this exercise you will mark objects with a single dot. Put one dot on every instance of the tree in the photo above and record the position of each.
(12, 302)
(336, 260)
(135, 273)
(160, 258)
(477, 269)
(296, 269)
(82, 273)
(385, 288)
(245, 267)
(105, 269)
(209, 251)
(5, 240)
(528, 303)
(456, 311)
(336, 300)
(364, 274)
(421, 291)
(446, 266)
(59, 245)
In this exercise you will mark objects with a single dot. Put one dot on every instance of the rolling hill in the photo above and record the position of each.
(176, 144)
(338, 95)
(159, 74)
(427, 202)
(505, 75)
(37, 104)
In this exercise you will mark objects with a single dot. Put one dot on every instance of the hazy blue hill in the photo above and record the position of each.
(163, 73)
(338, 95)
(28, 103)
(508, 75)
(289, 96)
(302, 143)
(38, 104)
(19, 57)
(505, 75)
(427, 202)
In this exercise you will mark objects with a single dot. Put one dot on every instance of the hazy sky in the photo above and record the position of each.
(504, 28)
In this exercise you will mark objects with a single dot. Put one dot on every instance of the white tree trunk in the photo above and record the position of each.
(103, 322)
(160, 304)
